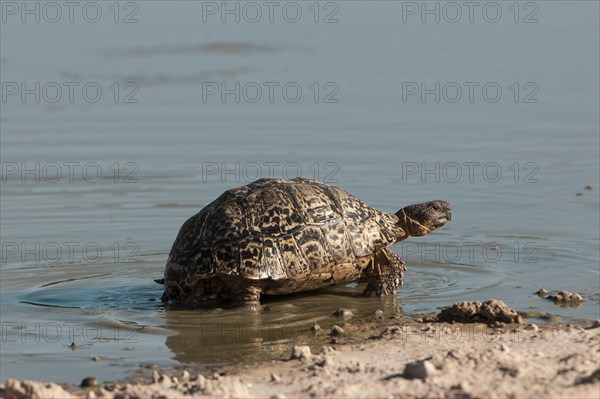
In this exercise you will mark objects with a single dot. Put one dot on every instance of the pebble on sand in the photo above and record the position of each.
(342, 312)
(301, 352)
(336, 330)
(316, 328)
(89, 382)
(185, 376)
(422, 369)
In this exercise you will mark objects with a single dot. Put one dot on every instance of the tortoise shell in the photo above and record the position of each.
(279, 230)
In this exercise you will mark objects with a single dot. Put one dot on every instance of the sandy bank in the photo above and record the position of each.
(411, 360)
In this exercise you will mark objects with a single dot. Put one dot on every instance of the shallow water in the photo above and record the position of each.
(80, 251)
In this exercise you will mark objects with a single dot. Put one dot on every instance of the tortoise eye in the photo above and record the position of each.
(435, 207)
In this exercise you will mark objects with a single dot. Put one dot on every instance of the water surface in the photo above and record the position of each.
(79, 254)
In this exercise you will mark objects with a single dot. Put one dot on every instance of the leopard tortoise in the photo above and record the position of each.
(284, 236)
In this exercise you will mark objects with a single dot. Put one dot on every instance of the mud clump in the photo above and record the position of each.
(562, 298)
(492, 311)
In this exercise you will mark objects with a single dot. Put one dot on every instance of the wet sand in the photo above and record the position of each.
(405, 359)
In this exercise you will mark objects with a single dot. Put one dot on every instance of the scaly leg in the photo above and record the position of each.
(384, 275)
(246, 294)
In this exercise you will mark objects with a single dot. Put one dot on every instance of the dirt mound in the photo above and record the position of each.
(492, 311)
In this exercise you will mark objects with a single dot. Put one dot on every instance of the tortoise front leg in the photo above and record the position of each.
(384, 275)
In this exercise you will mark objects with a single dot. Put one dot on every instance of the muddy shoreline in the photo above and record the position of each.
(493, 356)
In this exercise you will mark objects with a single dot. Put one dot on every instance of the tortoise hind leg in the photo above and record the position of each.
(244, 293)
(384, 275)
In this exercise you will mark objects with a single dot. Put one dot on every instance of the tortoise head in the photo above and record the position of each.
(420, 219)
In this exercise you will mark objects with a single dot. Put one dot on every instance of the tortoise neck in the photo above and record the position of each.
(410, 225)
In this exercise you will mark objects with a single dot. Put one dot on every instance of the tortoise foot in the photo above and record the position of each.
(247, 296)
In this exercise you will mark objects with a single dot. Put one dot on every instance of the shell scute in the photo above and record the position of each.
(270, 213)
(354, 209)
(366, 238)
(251, 253)
(314, 247)
(225, 221)
(338, 242)
(313, 203)
(226, 257)
(294, 261)
(272, 261)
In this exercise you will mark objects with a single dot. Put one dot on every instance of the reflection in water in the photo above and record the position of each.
(179, 49)
(161, 78)
(227, 336)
